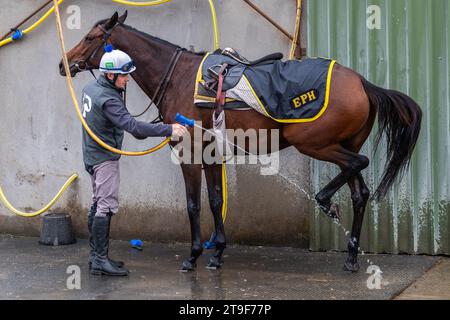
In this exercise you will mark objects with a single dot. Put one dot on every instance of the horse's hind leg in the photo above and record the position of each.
(360, 195)
(213, 175)
(350, 163)
(192, 179)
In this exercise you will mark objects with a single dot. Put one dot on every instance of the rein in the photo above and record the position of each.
(162, 86)
(85, 63)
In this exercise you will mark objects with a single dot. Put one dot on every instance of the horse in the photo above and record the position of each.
(336, 137)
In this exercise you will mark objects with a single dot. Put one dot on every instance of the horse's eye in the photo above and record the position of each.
(89, 38)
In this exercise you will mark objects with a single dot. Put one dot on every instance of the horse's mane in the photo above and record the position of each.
(150, 37)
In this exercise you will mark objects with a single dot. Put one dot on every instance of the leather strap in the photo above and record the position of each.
(220, 97)
(160, 91)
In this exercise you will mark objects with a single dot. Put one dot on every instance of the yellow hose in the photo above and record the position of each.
(72, 178)
(157, 2)
(48, 206)
(224, 192)
(214, 22)
(32, 27)
(141, 4)
(75, 101)
(297, 29)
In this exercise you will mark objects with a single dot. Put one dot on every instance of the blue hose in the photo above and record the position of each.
(184, 121)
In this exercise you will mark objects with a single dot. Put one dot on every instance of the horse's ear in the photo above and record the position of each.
(112, 22)
(123, 17)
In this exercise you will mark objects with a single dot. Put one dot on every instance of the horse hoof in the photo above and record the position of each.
(187, 266)
(214, 264)
(334, 212)
(351, 267)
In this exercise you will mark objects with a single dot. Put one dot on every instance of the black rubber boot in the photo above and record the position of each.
(91, 216)
(101, 264)
(118, 264)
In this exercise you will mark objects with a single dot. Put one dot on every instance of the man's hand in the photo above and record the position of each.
(178, 130)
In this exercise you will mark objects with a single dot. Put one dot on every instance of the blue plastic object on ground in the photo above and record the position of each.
(136, 244)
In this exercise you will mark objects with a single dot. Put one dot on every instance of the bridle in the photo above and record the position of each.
(162, 86)
(160, 91)
(84, 65)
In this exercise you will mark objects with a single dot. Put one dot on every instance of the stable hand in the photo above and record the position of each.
(178, 130)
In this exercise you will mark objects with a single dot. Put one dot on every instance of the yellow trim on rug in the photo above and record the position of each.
(322, 111)
(199, 75)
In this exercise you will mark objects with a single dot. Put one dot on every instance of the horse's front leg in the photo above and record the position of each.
(192, 174)
(213, 175)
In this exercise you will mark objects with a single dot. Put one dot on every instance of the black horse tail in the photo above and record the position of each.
(399, 117)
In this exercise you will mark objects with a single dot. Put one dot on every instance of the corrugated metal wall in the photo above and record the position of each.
(409, 53)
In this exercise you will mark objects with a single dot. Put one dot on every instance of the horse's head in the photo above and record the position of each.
(87, 53)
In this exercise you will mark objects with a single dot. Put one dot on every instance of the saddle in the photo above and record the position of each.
(230, 65)
(222, 71)
(288, 92)
(230, 52)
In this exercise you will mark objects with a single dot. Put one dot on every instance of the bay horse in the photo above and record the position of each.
(336, 137)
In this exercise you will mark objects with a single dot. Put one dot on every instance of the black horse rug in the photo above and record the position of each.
(287, 92)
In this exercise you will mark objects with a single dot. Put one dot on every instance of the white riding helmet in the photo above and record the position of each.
(116, 61)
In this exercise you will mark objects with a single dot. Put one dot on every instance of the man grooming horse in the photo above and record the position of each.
(105, 112)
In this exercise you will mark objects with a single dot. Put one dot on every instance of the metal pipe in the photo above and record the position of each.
(296, 43)
(26, 19)
(32, 27)
(287, 34)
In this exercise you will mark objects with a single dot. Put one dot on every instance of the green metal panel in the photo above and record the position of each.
(410, 53)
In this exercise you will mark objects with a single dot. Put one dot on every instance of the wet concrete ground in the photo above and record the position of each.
(435, 284)
(32, 271)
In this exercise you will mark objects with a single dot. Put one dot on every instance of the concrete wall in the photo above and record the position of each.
(41, 136)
